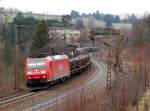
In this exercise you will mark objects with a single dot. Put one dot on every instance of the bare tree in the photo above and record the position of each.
(91, 22)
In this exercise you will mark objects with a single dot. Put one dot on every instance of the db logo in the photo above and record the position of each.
(61, 67)
(36, 70)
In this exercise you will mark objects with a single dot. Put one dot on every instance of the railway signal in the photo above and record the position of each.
(117, 63)
(109, 67)
(116, 34)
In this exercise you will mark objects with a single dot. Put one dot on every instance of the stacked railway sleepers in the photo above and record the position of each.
(79, 64)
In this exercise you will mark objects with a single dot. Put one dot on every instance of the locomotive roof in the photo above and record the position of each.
(57, 57)
(35, 59)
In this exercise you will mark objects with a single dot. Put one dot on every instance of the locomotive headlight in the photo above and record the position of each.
(29, 77)
(29, 73)
(43, 72)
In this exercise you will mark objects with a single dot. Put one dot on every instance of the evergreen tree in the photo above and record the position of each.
(8, 53)
(19, 19)
(66, 20)
(75, 14)
(79, 24)
(40, 39)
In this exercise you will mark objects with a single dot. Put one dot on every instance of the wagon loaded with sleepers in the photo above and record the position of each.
(79, 63)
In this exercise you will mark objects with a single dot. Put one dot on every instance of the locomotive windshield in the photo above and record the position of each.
(36, 63)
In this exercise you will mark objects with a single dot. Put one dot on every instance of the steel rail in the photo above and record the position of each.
(18, 97)
(76, 89)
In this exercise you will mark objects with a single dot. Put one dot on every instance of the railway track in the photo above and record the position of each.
(75, 88)
(28, 94)
(16, 97)
(6, 100)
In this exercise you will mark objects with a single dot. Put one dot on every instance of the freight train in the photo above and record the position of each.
(52, 69)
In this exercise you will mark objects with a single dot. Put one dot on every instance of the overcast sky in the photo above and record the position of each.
(87, 6)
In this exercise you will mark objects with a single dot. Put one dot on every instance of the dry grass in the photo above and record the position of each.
(89, 99)
(138, 71)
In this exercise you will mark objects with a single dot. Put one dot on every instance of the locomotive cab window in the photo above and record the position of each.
(36, 64)
(40, 64)
(31, 65)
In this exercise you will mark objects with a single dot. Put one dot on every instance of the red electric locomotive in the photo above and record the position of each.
(48, 69)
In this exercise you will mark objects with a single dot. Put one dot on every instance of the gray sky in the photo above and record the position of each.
(87, 6)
